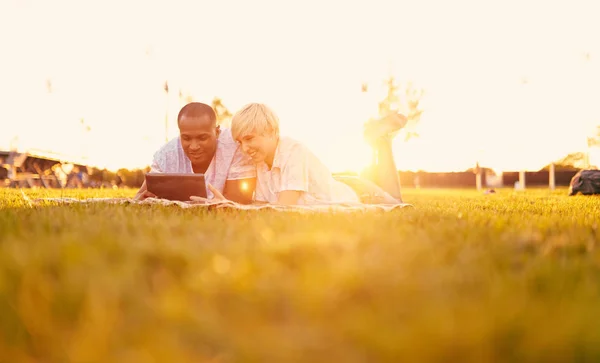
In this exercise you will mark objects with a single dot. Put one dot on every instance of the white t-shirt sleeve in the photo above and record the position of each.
(259, 194)
(294, 174)
(241, 167)
(157, 163)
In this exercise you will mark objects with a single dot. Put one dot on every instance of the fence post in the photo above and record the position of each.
(522, 179)
(478, 180)
(551, 177)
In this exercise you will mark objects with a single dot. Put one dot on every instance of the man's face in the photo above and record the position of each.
(198, 138)
(258, 146)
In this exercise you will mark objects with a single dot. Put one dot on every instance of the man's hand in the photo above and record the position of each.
(146, 194)
(217, 196)
(143, 193)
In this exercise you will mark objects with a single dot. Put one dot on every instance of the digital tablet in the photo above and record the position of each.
(176, 186)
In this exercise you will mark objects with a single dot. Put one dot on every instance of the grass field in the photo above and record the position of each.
(462, 277)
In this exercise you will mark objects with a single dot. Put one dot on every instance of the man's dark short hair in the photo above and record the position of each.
(197, 109)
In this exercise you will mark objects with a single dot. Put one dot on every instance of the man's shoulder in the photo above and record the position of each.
(225, 138)
(172, 145)
(227, 144)
(172, 149)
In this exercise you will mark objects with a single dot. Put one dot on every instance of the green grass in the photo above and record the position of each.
(462, 277)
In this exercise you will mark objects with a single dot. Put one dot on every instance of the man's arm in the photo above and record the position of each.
(240, 190)
(143, 193)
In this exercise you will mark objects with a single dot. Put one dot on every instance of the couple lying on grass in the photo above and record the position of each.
(252, 163)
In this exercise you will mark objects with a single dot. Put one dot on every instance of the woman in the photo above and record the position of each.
(287, 172)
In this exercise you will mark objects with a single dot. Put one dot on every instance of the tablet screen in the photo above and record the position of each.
(176, 186)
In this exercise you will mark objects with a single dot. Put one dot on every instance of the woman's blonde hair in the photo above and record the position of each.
(254, 117)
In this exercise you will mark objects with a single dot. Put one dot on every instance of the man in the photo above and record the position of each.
(202, 147)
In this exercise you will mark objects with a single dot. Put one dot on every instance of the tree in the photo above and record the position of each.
(413, 100)
(223, 114)
(85, 132)
(571, 162)
(594, 140)
(185, 98)
(84, 126)
(166, 89)
(593, 150)
(49, 88)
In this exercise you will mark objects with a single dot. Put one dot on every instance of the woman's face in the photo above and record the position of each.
(260, 147)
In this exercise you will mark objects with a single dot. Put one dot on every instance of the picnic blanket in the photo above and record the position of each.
(349, 207)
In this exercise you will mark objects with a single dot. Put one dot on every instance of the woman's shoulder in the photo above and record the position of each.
(291, 150)
(289, 144)
(289, 147)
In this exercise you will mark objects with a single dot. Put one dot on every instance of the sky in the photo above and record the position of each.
(511, 84)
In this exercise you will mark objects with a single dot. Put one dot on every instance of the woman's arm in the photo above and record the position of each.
(240, 191)
(286, 197)
(289, 197)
